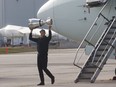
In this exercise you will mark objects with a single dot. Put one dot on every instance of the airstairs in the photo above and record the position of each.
(101, 50)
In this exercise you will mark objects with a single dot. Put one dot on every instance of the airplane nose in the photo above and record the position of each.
(46, 11)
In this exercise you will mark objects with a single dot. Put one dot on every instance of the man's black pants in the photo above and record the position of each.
(42, 66)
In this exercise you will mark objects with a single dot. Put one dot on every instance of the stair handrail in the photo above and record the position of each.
(103, 60)
(96, 45)
(114, 19)
(88, 34)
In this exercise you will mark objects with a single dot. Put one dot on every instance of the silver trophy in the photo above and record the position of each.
(36, 23)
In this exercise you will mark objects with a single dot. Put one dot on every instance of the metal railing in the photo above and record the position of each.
(105, 32)
(80, 53)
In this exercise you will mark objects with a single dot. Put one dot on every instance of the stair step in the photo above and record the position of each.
(89, 70)
(95, 60)
(104, 44)
(111, 31)
(108, 35)
(114, 25)
(101, 49)
(99, 55)
(90, 66)
(84, 80)
(108, 38)
(109, 41)
(100, 52)
(86, 75)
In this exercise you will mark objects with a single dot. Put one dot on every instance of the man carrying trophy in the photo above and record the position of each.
(42, 56)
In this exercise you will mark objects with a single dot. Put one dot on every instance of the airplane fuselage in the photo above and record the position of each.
(72, 18)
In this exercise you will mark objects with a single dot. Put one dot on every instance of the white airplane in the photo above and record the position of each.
(74, 18)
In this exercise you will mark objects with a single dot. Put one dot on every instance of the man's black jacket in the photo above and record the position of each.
(42, 43)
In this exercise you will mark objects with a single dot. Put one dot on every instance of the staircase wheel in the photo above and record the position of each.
(76, 81)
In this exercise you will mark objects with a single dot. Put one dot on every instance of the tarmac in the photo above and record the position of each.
(20, 70)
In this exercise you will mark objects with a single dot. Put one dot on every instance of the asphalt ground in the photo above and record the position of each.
(20, 70)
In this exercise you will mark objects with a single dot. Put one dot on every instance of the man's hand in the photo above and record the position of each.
(31, 29)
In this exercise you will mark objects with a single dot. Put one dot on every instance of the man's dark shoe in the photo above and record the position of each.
(40, 84)
(53, 80)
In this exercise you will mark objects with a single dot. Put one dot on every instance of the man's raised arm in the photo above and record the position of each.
(31, 38)
(50, 33)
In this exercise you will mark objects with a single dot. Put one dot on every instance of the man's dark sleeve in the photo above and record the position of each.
(31, 38)
(50, 35)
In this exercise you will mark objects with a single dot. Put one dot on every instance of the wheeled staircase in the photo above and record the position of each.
(100, 53)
